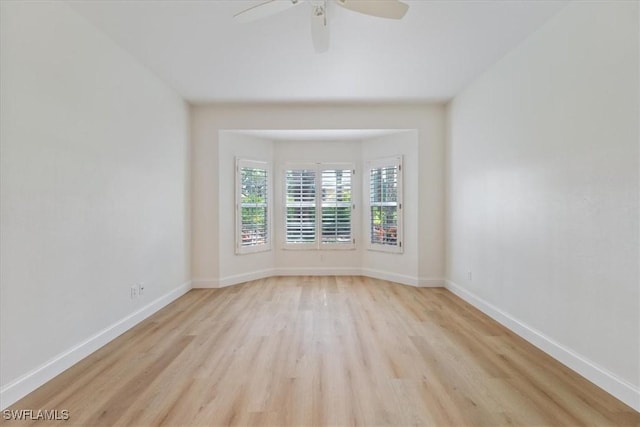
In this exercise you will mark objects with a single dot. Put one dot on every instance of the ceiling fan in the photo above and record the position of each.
(390, 9)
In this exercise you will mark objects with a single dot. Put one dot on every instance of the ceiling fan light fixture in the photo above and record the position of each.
(390, 9)
(320, 10)
(319, 29)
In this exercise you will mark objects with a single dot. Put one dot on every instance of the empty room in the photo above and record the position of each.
(320, 212)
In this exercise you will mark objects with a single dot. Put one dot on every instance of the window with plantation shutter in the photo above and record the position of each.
(252, 206)
(336, 206)
(385, 204)
(319, 206)
(301, 206)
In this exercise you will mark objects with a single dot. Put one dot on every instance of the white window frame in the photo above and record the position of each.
(256, 164)
(395, 161)
(318, 168)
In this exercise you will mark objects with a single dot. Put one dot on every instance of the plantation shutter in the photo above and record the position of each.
(336, 206)
(300, 206)
(385, 204)
(252, 204)
(319, 206)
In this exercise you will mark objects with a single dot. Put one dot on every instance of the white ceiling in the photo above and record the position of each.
(430, 55)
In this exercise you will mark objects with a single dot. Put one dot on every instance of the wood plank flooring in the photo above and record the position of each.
(333, 351)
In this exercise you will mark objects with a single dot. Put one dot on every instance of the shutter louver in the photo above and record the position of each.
(319, 206)
(384, 205)
(336, 206)
(254, 206)
(301, 206)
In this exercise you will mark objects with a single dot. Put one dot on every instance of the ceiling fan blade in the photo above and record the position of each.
(391, 9)
(262, 10)
(319, 27)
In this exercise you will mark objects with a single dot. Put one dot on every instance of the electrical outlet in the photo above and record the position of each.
(470, 276)
(141, 288)
(134, 292)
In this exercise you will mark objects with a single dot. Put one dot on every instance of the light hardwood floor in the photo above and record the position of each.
(323, 351)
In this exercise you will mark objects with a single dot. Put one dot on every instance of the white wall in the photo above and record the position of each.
(208, 121)
(94, 161)
(543, 192)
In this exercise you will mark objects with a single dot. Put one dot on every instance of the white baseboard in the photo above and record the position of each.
(271, 272)
(617, 387)
(245, 277)
(419, 282)
(318, 271)
(236, 279)
(391, 277)
(204, 283)
(27, 383)
(428, 282)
